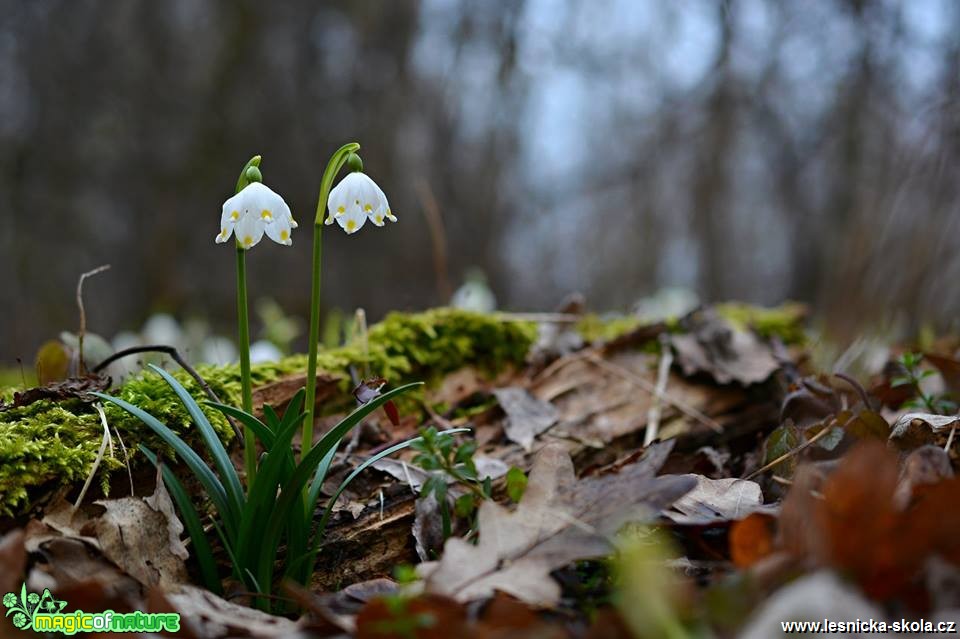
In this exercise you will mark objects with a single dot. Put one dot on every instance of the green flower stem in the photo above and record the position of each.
(243, 344)
(243, 334)
(326, 183)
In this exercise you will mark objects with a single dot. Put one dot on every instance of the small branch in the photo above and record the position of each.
(645, 384)
(782, 458)
(81, 366)
(545, 318)
(653, 415)
(175, 356)
(126, 459)
(857, 386)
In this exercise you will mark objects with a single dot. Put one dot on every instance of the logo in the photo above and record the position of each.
(44, 613)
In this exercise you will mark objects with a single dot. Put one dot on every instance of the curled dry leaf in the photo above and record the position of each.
(715, 500)
(210, 617)
(906, 426)
(140, 536)
(715, 347)
(559, 520)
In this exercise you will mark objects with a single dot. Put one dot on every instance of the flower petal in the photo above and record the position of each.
(249, 230)
(279, 231)
(232, 210)
(337, 201)
(352, 220)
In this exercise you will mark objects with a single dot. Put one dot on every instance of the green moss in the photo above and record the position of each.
(594, 328)
(50, 443)
(785, 321)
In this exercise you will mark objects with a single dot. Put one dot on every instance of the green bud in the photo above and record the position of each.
(253, 174)
(354, 163)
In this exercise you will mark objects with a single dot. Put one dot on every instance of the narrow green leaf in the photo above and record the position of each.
(197, 466)
(221, 459)
(292, 490)
(275, 466)
(264, 434)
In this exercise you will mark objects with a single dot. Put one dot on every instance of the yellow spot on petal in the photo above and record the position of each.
(266, 215)
(284, 235)
(379, 219)
(367, 208)
(341, 210)
(351, 226)
(235, 216)
(247, 241)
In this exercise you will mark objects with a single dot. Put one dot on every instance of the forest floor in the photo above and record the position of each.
(688, 478)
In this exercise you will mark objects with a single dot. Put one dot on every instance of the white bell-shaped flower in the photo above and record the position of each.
(253, 211)
(355, 200)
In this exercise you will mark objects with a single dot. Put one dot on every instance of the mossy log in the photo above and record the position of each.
(49, 445)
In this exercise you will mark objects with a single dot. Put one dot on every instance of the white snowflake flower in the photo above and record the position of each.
(355, 200)
(254, 211)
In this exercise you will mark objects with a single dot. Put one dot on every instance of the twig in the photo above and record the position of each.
(653, 415)
(175, 356)
(629, 375)
(545, 318)
(100, 454)
(83, 315)
(946, 448)
(126, 458)
(791, 453)
(857, 386)
(361, 319)
(438, 239)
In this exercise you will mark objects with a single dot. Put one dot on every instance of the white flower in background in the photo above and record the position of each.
(355, 200)
(254, 211)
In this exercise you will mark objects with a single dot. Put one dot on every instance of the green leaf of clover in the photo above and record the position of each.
(9, 600)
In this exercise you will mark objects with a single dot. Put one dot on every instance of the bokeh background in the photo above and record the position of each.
(739, 149)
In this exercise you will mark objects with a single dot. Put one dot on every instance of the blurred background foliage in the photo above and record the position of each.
(735, 149)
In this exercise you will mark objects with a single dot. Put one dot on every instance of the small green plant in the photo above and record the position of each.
(278, 505)
(913, 377)
(447, 461)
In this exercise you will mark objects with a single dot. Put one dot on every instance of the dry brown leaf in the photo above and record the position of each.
(600, 403)
(527, 416)
(925, 465)
(210, 617)
(559, 520)
(905, 427)
(425, 617)
(715, 347)
(141, 536)
(715, 500)
(859, 528)
(751, 539)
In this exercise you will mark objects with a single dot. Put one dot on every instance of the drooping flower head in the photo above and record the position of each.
(356, 199)
(253, 211)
